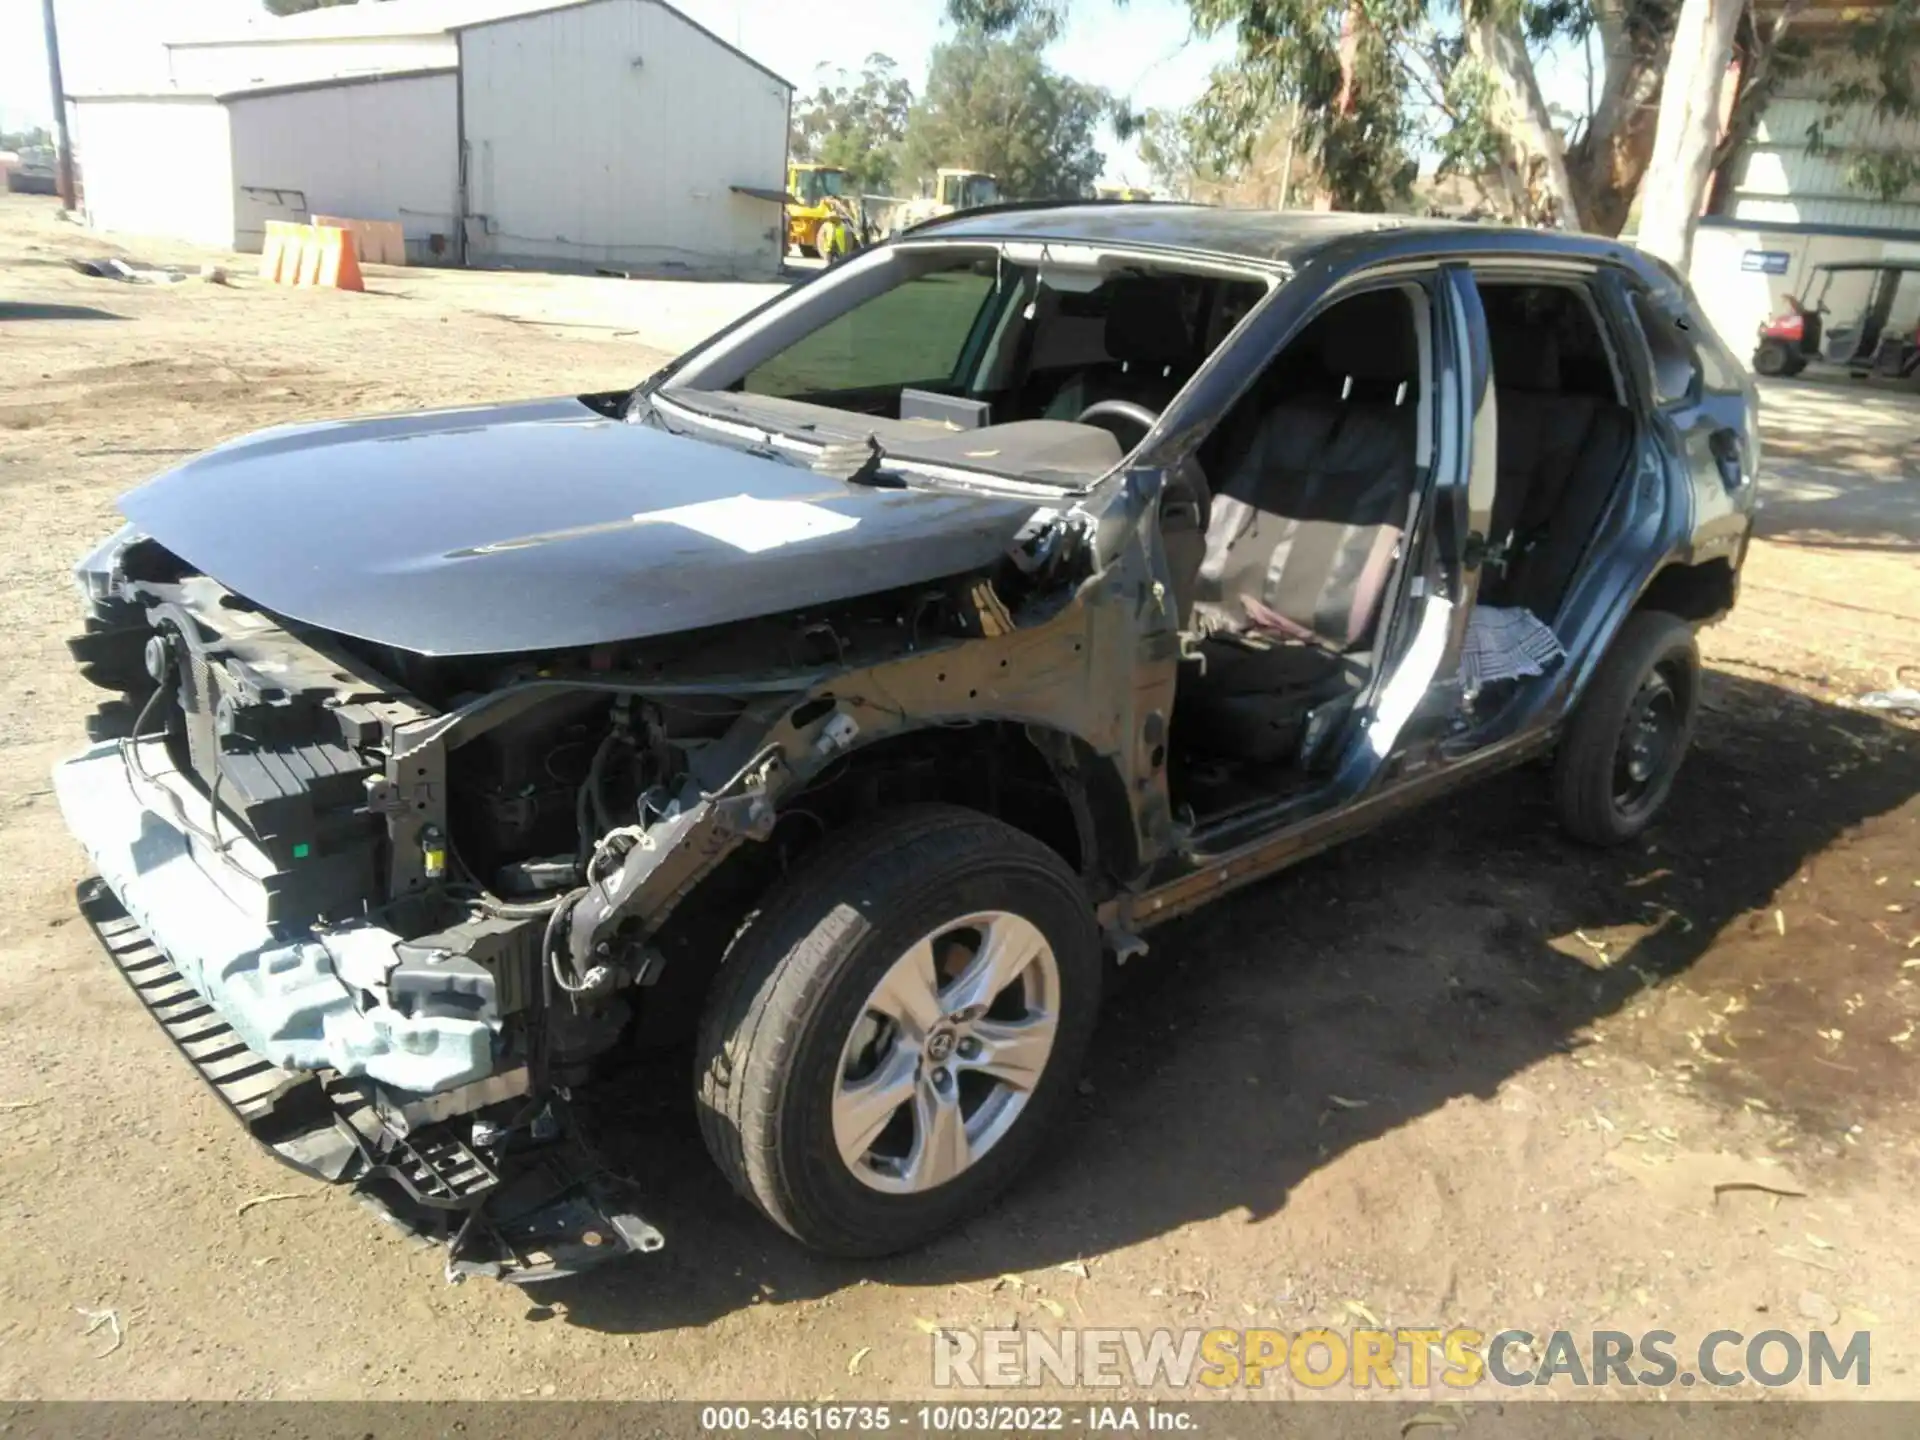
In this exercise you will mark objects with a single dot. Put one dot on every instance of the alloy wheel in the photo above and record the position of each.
(947, 1051)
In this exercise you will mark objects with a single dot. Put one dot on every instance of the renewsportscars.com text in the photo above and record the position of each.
(1391, 1359)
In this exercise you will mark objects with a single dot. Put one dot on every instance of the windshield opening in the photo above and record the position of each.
(813, 186)
(961, 355)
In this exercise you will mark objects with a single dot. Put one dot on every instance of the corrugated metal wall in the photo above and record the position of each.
(609, 134)
(372, 150)
(1778, 179)
(157, 166)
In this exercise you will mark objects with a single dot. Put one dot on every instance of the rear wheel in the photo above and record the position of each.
(894, 1033)
(1774, 358)
(1624, 744)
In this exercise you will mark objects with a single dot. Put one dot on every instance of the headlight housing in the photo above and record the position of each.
(98, 571)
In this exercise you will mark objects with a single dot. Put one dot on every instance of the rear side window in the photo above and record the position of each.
(1676, 369)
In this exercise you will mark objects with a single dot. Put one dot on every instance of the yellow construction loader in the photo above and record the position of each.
(824, 219)
(953, 190)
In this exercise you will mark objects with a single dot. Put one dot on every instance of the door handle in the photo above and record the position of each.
(1725, 445)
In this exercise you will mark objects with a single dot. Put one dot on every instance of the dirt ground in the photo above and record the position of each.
(1545, 1060)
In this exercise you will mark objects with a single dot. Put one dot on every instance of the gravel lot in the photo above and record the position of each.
(1545, 1060)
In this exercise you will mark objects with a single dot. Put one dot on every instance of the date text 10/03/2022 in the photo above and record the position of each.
(948, 1419)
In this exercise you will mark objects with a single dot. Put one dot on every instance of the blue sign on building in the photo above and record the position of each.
(1765, 262)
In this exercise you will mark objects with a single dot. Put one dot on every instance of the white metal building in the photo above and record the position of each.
(1782, 206)
(567, 134)
(215, 168)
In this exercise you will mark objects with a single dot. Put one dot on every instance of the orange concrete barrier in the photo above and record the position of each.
(378, 242)
(280, 251)
(317, 255)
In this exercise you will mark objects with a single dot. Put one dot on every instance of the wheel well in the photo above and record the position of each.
(1045, 783)
(1693, 592)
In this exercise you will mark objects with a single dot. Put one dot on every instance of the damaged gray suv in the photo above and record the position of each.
(840, 700)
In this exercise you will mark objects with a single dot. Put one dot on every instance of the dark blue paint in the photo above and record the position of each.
(513, 528)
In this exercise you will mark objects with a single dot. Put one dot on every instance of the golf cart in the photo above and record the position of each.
(1880, 331)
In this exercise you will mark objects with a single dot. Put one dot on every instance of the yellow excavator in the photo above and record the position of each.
(822, 218)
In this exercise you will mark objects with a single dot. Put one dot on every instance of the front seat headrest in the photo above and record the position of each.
(1370, 337)
(1146, 324)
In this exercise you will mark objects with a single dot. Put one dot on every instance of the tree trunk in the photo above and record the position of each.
(1497, 44)
(1610, 160)
(1345, 98)
(1676, 183)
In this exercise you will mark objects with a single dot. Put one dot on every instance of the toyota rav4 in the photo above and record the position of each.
(841, 700)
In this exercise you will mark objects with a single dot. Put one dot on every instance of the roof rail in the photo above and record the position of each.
(1014, 207)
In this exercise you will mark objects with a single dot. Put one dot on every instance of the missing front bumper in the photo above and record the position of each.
(538, 1207)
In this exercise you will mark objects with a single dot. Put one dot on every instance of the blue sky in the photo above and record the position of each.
(1144, 49)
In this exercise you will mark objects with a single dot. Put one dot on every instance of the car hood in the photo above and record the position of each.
(543, 525)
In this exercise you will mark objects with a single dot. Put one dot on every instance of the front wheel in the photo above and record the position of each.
(892, 1036)
(1623, 747)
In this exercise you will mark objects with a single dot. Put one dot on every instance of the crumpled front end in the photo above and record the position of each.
(386, 1035)
(301, 998)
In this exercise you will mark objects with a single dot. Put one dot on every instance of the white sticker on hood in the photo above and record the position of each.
(752, 524)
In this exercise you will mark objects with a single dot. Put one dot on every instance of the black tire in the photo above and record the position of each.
(1773, 358)
(796, 982)
(1652, 649)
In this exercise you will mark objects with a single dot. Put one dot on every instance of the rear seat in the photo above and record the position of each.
(1558, 458)
(1302, 538)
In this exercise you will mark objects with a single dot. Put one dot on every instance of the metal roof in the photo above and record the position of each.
(366, 21)
(394, 19)
(334, 82)
(1821, 21)
(264, 88)
(1897, 263)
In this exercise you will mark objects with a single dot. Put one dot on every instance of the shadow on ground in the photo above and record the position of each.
(31, 310)
(1428, 961)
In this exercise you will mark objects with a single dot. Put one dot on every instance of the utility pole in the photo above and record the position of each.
(63, 140)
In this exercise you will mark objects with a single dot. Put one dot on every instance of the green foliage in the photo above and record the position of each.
(39, 137)
(1886, 47)
(993, 104)
(1043, 19)
(1174, 145)
(1473, 145)
(857, 123)
(1360, 134)
(1880, 72)
(1883, 174)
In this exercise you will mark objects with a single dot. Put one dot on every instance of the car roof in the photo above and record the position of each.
(1266, 237)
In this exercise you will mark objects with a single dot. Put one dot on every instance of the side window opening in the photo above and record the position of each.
(1314, 473)
(1565, 438)
(1675, 368)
